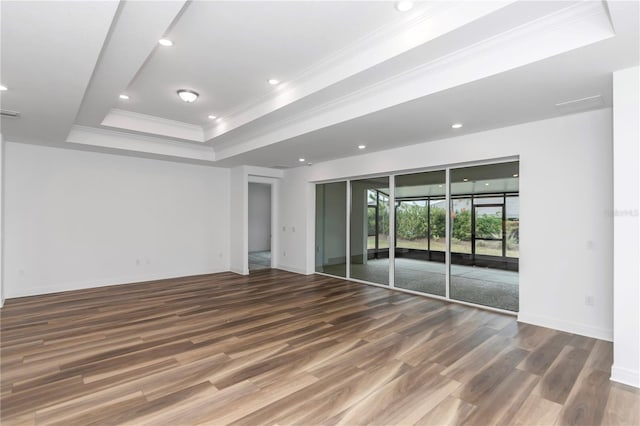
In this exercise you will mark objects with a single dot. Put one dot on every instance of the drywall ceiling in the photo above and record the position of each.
(351, 73)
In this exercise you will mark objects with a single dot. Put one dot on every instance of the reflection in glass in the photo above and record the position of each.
(331, 228)
(369, 234)
(420, 232)
(485, 235)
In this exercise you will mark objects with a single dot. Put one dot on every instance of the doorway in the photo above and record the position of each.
(259, 226)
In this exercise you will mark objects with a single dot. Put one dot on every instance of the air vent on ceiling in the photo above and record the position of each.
(578, 105)
(7, 113)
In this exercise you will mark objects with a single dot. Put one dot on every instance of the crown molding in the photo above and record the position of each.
(131, 142)
(387, 42)
(129, 120)
(570, 28)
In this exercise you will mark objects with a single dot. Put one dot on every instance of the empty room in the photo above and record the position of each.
(319, 212)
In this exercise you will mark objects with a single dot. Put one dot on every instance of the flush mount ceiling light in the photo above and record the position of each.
(465, 180)
(165, 42)
(456, 125)
(362, 146)
(515, 175)
(302, 160)
(404, 6)
(188, 95)
(273, 81)
(486, 184)
(125, 97)
(3, 88)
(212, 117)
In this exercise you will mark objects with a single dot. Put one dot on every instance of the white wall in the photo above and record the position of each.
(297, 222)
(79, 219)
(259, 217)
(565, 194)
(626, 296)
(238, 221)
(1, 219)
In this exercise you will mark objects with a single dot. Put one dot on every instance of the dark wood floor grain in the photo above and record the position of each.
(281, 348)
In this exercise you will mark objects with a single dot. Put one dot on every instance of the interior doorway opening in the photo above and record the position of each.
(259, 226)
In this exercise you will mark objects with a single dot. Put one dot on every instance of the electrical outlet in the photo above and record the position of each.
(284, 254)
(588, 300)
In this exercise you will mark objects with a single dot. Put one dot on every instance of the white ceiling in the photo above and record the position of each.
(352, 72)
(226, 51)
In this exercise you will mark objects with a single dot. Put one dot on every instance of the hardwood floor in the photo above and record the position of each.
(281, 348)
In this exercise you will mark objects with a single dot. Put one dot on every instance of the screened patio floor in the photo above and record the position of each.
(483, 286)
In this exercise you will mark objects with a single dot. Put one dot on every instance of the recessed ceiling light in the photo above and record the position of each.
(362, 146)
(165, 42)
(212, 117)
(302, 160)
(486, 184)
(515, 175)
(273, 81)
(123, 96)
(3, 88)
(465, 180)
(439, 186)
(456, 125)
(404, 6)
(188, 95)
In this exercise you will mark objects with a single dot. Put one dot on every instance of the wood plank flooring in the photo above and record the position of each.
(281, 348)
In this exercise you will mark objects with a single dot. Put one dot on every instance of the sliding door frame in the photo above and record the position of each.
(392, 234)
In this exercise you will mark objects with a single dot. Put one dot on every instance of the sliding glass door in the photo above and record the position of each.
(369, 230)
(452, 233)
(484, 235)
(331, 228)
(420, 229)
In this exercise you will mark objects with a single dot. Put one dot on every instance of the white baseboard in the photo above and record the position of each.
(625, 376)
(292, 269)
(82, 285)
(568, 326)
(238, 271)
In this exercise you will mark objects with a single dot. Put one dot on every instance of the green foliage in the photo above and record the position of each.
(371, 219)
(513, 231)
(488, 226)
(411, 221)
(461, 228)
(438, 222)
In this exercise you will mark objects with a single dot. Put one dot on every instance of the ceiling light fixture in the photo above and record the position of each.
(188, 95)
(515, 175)
(165, 42)
(362, 146)
(465, 180)
(273, 81)
(3, 88)
(302, 160)
(456, 125)
(212, 117)
(125, 97)
(486, 184)
(404, 6)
